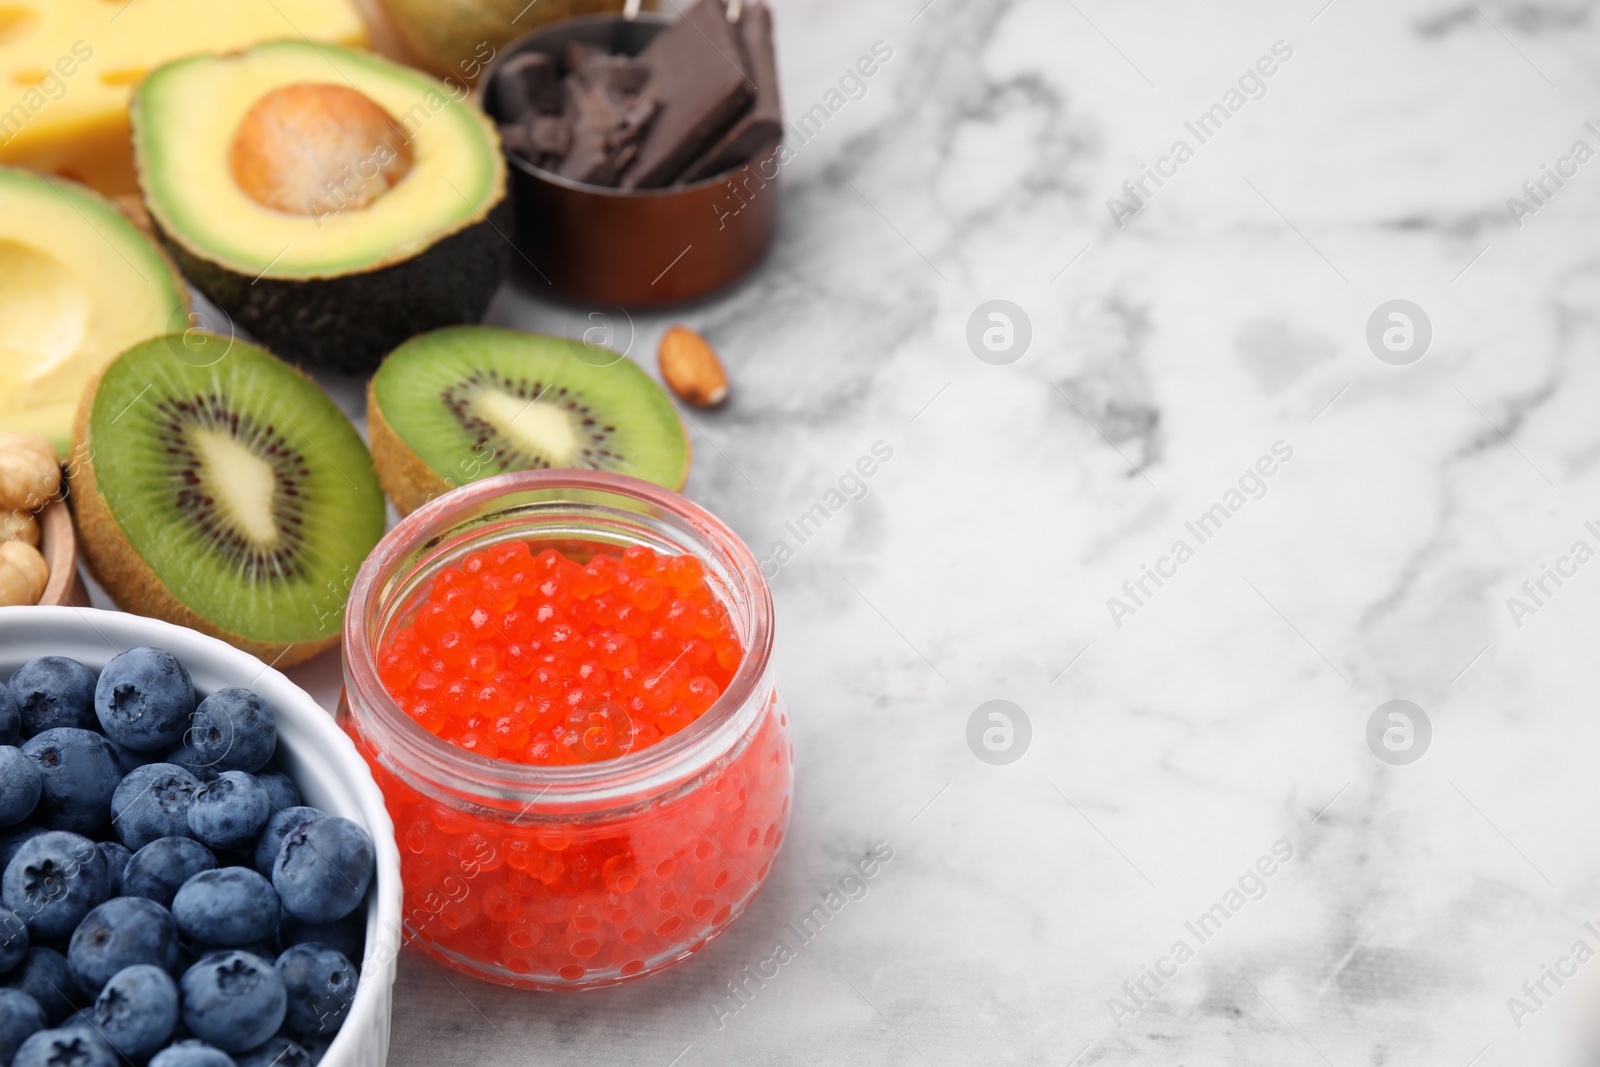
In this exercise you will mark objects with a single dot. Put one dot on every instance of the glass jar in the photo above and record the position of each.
(568, 877)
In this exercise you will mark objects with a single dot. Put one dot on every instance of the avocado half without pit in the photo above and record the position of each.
(331, 202)
(78, 284)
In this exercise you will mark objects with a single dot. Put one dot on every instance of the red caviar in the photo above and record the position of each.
(543, 659)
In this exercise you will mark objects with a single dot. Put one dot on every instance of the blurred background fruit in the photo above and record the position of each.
(455, 38)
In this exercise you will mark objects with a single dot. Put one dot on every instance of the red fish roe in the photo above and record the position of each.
(539, 658)
(544, 659)
(528, 901)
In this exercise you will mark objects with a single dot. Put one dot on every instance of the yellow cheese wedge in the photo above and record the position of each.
(68, 67)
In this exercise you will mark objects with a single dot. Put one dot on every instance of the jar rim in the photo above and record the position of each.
(578, 786)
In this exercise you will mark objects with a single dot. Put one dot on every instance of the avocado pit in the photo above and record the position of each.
(332, 202)
(316, 149)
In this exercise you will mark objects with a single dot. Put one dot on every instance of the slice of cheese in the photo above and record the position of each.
(68, 67)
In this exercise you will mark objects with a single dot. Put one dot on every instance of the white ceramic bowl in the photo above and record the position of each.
(324, 764)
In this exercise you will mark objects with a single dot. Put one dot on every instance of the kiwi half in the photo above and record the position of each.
(469, 402)
(217, 487)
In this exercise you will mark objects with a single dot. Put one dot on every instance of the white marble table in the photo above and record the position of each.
(1227, 712)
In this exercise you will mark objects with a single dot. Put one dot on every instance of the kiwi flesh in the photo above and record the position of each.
(217, 487)
(470, 402)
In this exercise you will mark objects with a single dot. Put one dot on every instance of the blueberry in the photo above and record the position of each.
(137, 1011)
(186, 757)
(320, 983)
(20, 1018)
(54, 691)
(323, 870)
(10, 724)
(117, 857)
(144, 699)
(53, 881)
(233, 1000)
(278, 827)
(153, 801)
(229, 812)
(74, 1047)
(121, 933)
(280, 790)
(234, 730)
(45, 977)
(192, 1053)
(79, 774)
(82, 1019)
(277, 1052)
(13, 942)
(20, 784)
(159, 870)
(347, 935)
(229, 907)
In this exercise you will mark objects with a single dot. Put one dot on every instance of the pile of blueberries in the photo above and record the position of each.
(167, 900)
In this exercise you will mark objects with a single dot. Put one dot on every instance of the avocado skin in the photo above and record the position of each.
(350, 322)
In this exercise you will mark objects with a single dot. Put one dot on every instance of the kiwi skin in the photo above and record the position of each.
(410, 483)
(125, 575)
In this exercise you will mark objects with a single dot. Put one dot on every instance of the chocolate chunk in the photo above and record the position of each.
(606, 128)
(620, 74)
(608, 107)
(577, 55)
(543, 140)
(760, 126)
(623, 75)
(516, 140)
(697, 71)
(550, 135)
(527, 84)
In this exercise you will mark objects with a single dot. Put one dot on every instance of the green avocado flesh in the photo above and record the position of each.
(473, 402)
(237, 481)
(78, 284)
(342, 284)
(185, 114)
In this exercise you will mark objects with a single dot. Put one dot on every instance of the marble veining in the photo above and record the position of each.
(1174, 747)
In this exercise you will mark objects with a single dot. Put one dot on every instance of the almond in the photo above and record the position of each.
(691, 369)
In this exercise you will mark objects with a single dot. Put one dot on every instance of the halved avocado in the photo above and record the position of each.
(78, 284)
(334, 203)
